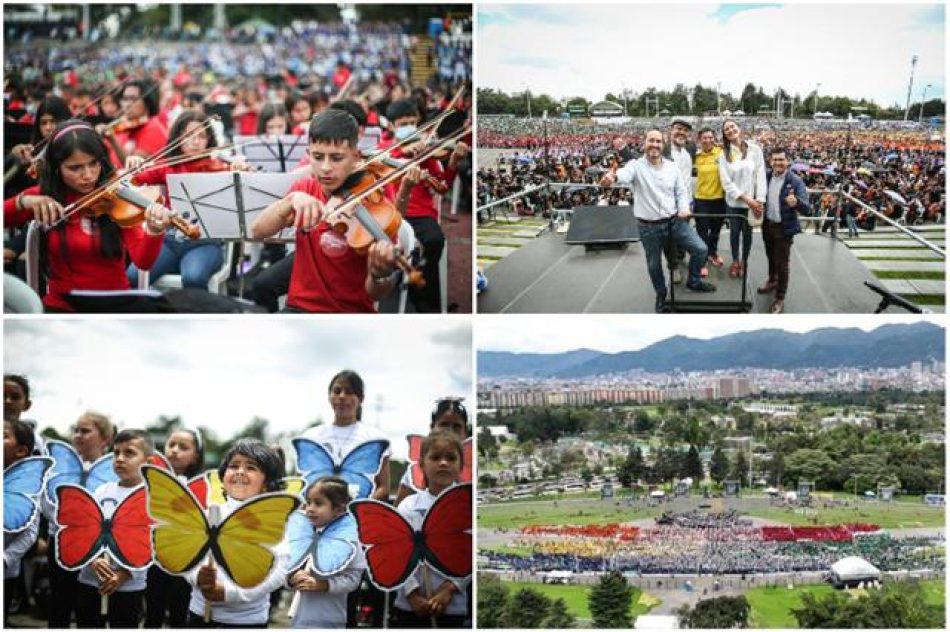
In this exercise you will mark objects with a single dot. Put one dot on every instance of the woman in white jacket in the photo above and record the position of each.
(742, 173)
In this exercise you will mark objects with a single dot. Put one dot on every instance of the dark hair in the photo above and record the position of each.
(293, 98)
(705, 130)
(727, 146)
(198, 465)
(777, 150)
(441, 436)
(53, 105)
(269, 111)
(401, 108)
(19, 380)
(131, 434)
(181, 123)
(355, 383)
(449, 404)
(334, 126)
(334, 488)
(148, 92)
(260, 453)
(352, 108)
(23, 434)
(85, 139)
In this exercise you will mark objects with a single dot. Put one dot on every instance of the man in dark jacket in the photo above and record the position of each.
(786, 198)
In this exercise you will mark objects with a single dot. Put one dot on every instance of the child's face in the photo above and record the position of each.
(331, 163)
(243, 478)
(88, 441)
(344, 401)
(14, 401)
(12, 451)
(450, 421)
(181, 451)
(442, 466)
(320, 511)
(129, 458)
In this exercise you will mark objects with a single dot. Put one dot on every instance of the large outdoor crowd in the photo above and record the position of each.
(894, 167)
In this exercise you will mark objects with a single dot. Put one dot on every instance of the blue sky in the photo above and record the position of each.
(856, 50)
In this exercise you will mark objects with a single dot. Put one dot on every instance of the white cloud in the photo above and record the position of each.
(856, 50)
(221, 373)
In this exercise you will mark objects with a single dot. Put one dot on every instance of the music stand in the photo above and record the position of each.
(225, 204)
(273, 154)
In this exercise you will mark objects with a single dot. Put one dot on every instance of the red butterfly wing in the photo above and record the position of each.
(389, 540)
(131, 531)
(158, 460)
(415, 461)
(466, 474)
(80, 520)
(448, 532)
(199, 487)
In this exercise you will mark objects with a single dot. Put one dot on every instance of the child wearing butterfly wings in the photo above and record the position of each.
(330, 560)
(250, 468)
(428, 594)
(92, 434)
(184, 450)
(104, 576)
(449, 415)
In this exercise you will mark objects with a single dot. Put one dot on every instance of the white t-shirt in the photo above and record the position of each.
(109, 496)
(340, 440)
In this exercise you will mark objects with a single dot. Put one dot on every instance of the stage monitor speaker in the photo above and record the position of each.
(591, 225)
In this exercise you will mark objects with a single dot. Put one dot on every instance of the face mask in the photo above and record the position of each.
(404, 132)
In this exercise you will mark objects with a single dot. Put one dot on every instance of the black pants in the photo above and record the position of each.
(273, 282)
(63, 585)
(166, 593)
(125, 608)
(778, 249)
(9, 591)
(198, 621)
(709, 227)
(402, 619)
(428, 233)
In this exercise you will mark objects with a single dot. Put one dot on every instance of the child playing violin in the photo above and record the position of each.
(140, 131)
(82, 251)
(328, 275)
(194, 260)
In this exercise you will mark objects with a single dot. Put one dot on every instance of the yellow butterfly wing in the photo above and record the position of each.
(215, 489)
(294, 484)
(180, 537)
(247, 536)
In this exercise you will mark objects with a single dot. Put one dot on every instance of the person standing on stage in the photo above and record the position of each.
(742, 173)
(681, 152)
(786, 197)
(661, 206)
(709, 196)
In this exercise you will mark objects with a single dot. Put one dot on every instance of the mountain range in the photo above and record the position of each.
(886, 346)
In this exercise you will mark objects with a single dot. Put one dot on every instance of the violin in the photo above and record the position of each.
(387, 165)
(126, 206)
(123, 125)
(372, 218)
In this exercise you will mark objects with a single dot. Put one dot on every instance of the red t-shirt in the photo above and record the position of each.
(145, 139)
(422, 197)
(82, 266)
(328, 275)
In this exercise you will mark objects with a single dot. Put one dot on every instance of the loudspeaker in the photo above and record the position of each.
(602, 225)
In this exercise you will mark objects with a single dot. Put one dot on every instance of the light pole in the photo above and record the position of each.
(815, 106)
(923, 99)
(718, 98)
(910, 86)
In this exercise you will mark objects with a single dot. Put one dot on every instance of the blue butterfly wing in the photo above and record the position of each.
(101, 472)
(22, 483)
(361, 465)
(67, 468)
(335, 545)
(313, 460)
(300, 537)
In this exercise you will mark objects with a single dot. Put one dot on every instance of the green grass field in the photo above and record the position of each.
(887, 515)
(772, 607)
(576, 597)
(521, 514)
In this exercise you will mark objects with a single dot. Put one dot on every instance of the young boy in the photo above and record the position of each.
(101, 577)
(16, 401)
(17, 445)
(328, 275)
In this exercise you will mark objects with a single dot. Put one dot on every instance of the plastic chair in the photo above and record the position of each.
(217, 282)
(33, 235)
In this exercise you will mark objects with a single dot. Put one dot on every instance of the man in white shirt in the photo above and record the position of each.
(661, 206)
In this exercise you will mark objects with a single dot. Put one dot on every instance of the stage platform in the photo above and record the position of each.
(548, 276)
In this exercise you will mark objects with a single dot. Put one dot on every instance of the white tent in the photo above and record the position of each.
(852, 570)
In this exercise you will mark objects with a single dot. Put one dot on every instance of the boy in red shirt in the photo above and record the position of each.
(328, 275)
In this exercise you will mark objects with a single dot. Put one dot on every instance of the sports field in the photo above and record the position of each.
(543, 512)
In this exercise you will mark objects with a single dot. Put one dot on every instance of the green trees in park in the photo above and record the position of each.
(718, 465)
(898, 605)
(610, 602)
(526, 608)
(719, 612)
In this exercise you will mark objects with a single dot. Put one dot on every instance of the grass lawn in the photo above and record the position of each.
(521, 514)
(520, 551)
(887, 515)
(932, 275)
(576, 597)
(772, 607)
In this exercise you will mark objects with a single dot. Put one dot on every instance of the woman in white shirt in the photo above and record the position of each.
(742, 173)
